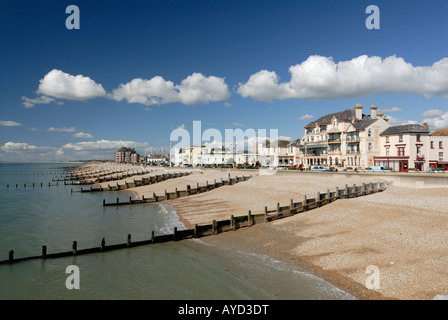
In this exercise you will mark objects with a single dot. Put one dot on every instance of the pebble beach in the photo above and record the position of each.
(401, 231)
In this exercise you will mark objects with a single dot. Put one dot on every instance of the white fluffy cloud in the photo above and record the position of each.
(321, 78)
(63, 129)
(195, 89)
(436, 119)
(104, 145)
(83, 135)
(8, 123)
(305, 117)
(29, 103)
(25, 147)
(59, 84)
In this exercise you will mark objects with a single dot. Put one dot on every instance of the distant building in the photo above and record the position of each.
(126, 155)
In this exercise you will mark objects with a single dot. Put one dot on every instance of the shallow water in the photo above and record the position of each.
(189, 269)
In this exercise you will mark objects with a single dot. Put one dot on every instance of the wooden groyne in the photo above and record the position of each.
(180, 193)
(136, 183)
(216, 227)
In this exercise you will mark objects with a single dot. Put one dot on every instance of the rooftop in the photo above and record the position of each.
(406, 128)
(442, 132)
(345, 115)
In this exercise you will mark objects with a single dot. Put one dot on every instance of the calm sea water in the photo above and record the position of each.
(53, 216)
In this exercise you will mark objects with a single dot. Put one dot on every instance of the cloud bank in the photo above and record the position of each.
(320, 77)
(195, 89)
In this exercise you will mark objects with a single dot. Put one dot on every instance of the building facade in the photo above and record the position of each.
(411, 147)
(126, 155)
(347, 138)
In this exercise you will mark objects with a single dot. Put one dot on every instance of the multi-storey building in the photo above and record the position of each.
(412, 147)
(126, 155)
(347, 138)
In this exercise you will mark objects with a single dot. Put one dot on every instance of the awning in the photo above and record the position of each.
(316, 145)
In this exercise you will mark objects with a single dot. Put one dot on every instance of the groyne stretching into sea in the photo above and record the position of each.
(216, 226)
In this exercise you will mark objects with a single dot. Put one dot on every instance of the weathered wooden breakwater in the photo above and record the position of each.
(180, 193)
(136, 183)
(216, 227)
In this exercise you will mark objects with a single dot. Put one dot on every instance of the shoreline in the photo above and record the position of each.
(400, 230)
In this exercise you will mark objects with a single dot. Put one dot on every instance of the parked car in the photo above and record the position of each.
(379, 169)
(319, 168)
(188, 165)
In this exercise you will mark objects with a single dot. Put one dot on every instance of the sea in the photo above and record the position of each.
(57, 215)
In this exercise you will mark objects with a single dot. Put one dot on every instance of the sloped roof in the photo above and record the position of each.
(361, 125)
(345, 115)
(442, 132)
(405, 128)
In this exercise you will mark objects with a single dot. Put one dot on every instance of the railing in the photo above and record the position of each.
(334, 140)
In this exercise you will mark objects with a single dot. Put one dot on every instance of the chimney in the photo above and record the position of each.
(380, 115)
(425, 125)
(373, 112)
(358, 111)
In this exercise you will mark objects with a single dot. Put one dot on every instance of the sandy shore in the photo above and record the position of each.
(402, 231)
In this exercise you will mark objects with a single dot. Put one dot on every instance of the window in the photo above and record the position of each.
(369, 133)
(400, 138)
(440, 144)
(418, 150)
(370, 146)
(432, 144)
(418, 137)
(387, 152)
(440, 156)
(387, 139)
(400, 151)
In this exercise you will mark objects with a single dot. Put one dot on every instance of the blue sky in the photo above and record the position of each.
(136, 70)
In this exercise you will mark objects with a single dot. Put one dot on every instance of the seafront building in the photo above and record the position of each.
(411, 147)
(346, 138)
(126, 155)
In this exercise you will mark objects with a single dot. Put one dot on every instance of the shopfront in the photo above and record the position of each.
(399, 164)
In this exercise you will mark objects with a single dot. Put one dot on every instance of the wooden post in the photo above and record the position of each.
(104, 202)
(174, 233)
(152, 236)
(103, 244)
(291, 207)
(11, 256)
(130, 199)
(176, 195)
(249, 219)
(214, 231)
(154, 196)
(318, 199)
(328, 196)
(44, 252)
(346, 190)
(265, 214)
(278, 207)
(188, 189)
(75, 247)
(143, 198)
(195, 230)
(128, 242)
(304, 204)
(166, 195)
